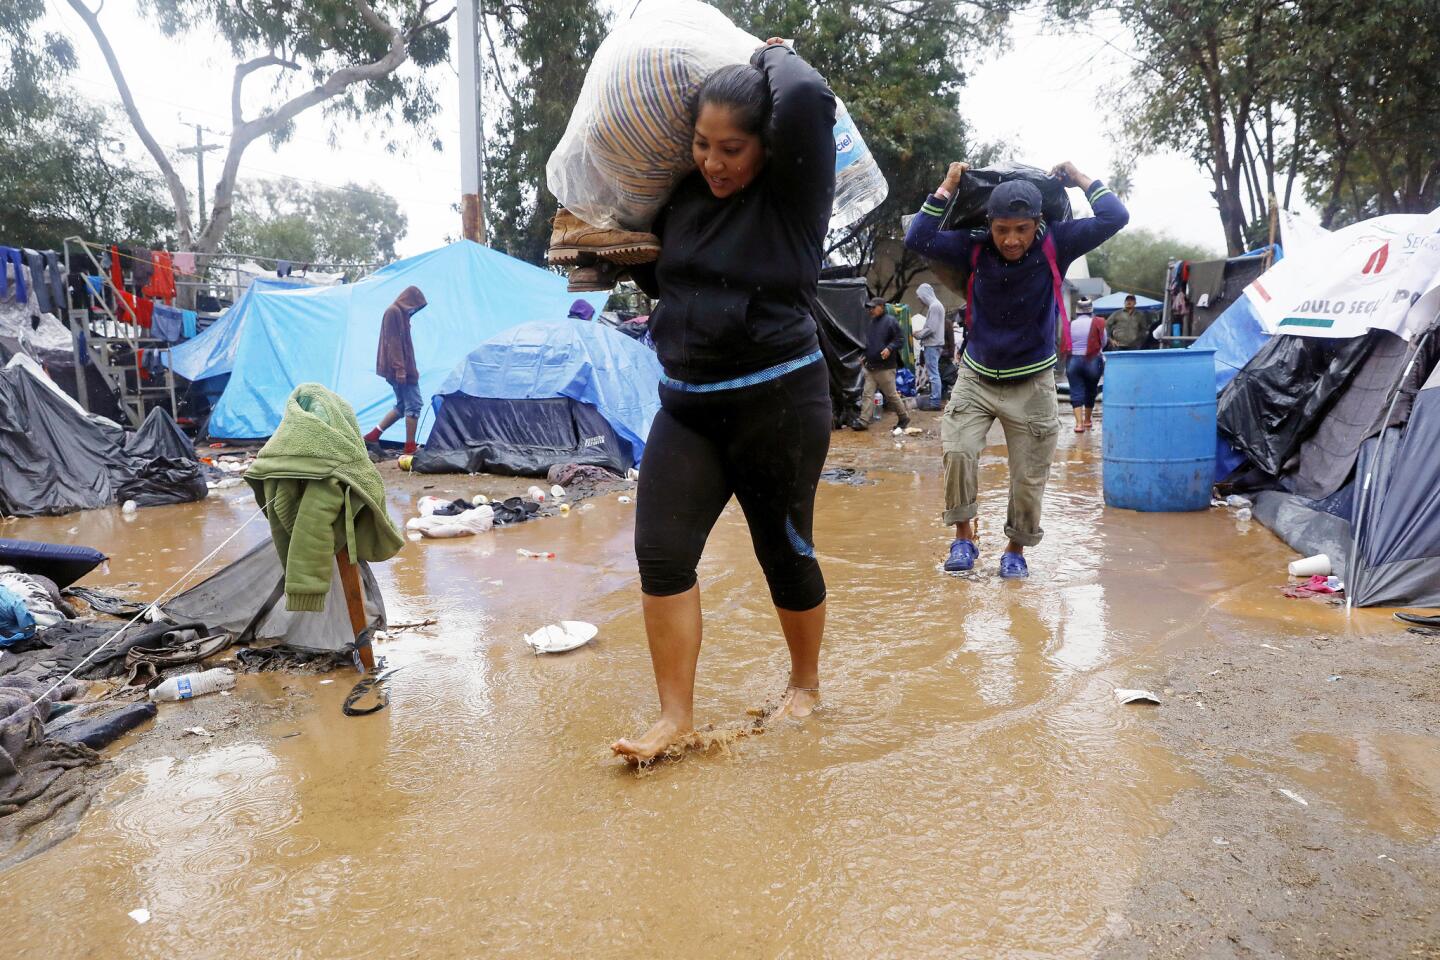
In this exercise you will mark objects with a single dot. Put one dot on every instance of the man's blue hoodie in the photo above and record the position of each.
(1012, 314)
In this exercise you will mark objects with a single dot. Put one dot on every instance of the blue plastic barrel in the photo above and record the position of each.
(1159, 429)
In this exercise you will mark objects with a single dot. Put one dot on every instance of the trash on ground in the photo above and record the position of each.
(479, 500)
(128, 507)
(1292, 795)
(1332, 678)
(1237, 502)
(1316, 586)
(558, 492)
(199, 732)
(193, 685)
(564, 508)
(533, 555)
(913, 431)
(1136, 696)
(439, 526)
(558, 638)
(536, 494)
(846, 475)
(623, 499)
(140, 916)
(1311, 566)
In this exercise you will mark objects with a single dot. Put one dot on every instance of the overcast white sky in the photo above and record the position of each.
(1043, 95)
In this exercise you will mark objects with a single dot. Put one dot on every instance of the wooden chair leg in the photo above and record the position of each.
(355, 604)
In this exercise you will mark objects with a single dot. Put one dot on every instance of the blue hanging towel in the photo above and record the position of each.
(16, 623)
(96, 285)
(189, 324)
(167, 323)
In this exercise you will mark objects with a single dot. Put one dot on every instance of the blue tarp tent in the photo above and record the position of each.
(543, 393)
(328, 335)
(1235, 336)
(212, 353)
(1116, 301)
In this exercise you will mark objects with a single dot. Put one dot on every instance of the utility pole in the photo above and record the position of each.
(472, 123)
(200, 149)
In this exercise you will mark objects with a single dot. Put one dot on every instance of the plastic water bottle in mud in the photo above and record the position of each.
(193, 685)
(859, 185)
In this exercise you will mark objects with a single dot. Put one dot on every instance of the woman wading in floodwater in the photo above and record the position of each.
(745, 401)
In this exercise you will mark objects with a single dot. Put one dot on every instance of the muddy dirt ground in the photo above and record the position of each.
(972, 787)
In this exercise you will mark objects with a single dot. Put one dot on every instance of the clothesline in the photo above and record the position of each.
(103, 248)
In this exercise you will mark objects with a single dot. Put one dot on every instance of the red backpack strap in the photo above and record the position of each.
(1052, 257)
(970, 287)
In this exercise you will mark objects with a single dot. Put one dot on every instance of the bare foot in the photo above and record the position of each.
(658, 739)
(798, 702)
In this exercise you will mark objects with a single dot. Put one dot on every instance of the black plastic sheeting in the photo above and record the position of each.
(966, 209)
(1280, 397)
(160, 436)
(55, 460)
(522, 438)
(163, 480)
(840, 317)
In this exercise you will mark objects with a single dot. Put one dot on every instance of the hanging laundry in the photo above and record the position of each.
(282, 268)
(142, 268)
(185, 264)
(162, 281)
(96, 285)
(144, 311)
(189, 324)
(125, 308)
(55, 273)
(12, 264)
(167, 323)
(44, 295)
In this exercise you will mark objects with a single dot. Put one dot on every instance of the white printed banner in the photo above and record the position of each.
(1381, 274)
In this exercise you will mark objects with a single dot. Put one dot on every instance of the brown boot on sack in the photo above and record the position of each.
(576, 243)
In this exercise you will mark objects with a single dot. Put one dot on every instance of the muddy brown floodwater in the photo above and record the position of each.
(971, 787)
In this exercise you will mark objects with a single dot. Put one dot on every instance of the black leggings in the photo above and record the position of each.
(765, 445)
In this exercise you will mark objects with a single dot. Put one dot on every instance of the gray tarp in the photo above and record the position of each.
(229, 599)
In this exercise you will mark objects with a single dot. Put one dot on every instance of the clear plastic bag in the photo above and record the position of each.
(628, 141)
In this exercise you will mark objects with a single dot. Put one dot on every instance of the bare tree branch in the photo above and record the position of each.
(249, 131)
(244, 70)
(127, 99)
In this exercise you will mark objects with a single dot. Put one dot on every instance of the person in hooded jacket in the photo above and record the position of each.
(395, 362)
(932, 343)
(745, 406)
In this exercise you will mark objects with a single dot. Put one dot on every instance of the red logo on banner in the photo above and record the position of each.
(1376, 263)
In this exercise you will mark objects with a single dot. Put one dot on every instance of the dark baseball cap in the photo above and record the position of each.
(875, 302)
(1014, 198)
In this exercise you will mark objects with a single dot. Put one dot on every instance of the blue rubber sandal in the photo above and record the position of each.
(963, 554)
(1013, 566)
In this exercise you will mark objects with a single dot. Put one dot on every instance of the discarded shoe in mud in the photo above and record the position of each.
(573, 242)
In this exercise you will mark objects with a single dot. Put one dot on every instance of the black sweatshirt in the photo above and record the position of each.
(735, 276)
(882, 334)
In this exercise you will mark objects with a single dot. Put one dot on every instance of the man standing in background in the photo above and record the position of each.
(882, 356)
(932, 343)
(1129, 328)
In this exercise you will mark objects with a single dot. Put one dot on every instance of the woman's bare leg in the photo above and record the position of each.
(673, 627)
(804, 631)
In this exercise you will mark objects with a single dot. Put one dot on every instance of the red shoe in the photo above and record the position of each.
(373, 436)
(410, 448)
